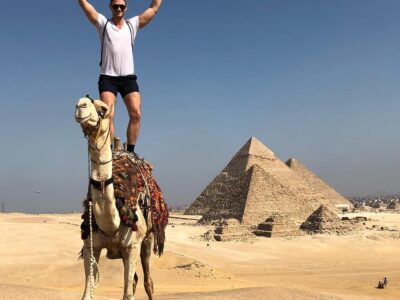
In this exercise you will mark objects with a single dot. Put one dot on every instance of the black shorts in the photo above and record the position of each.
(118, 84)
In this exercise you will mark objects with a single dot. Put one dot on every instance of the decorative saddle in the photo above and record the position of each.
(133, 184)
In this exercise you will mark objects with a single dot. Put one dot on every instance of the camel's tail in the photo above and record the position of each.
(159, 238)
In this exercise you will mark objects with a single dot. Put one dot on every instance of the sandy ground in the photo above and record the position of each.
(39, 260)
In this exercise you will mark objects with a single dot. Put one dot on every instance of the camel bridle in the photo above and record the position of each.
(98, 128)
(88, 132)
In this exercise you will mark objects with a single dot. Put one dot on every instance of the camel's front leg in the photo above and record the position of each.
(130, 256)
(86, 259)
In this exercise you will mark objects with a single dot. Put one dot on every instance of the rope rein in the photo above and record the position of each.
(93, 282)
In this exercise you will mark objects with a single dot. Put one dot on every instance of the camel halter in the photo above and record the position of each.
(96, 140)
(99, 185)
(98, 127)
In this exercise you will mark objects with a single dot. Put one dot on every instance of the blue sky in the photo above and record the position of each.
(314, 80)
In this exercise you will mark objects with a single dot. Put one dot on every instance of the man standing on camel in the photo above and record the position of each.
(117, 73)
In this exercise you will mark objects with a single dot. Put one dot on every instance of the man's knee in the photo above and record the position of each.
(135, 115)
(109, 99)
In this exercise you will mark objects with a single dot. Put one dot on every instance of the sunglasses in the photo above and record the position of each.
(118, 6)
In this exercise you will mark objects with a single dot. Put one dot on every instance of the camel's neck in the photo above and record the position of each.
(104, 208)
(101, 163)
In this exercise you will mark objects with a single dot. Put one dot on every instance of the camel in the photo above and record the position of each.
(118, 239)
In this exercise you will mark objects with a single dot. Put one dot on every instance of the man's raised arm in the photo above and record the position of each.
(149, 13)
(90, 12)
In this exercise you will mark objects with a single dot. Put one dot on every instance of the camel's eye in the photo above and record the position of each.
(83, 105)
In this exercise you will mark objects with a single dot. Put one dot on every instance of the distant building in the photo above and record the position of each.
(343, 207)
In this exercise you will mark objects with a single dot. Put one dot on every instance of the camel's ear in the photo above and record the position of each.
(102, 108)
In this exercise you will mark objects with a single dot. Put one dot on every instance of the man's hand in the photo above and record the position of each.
(149, 13)
(90, 12)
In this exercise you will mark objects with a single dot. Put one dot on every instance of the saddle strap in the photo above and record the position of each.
(101, 185)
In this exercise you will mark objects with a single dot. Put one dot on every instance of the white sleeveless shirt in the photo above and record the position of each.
(117, 47)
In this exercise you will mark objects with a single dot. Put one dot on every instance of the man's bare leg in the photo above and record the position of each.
(109, 99)
(133, 105)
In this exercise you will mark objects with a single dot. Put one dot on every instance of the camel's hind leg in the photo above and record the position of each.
(86, 259)
(145, 254)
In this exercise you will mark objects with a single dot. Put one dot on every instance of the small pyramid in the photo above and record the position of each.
(230, 230)
(323, 220)
(277, 225)
(317, 183)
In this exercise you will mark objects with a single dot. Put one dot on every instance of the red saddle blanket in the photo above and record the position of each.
(134, 184)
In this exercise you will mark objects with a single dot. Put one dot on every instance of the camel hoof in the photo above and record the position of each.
(148, 287)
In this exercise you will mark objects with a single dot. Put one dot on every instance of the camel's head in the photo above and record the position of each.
(89, 113)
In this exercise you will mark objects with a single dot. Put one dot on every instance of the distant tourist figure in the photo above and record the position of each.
(385, 281)
(117, 72)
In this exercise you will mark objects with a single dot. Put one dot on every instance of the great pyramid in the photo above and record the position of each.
(317, 183)
(254, 185)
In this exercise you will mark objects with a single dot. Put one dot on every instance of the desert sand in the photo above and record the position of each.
(39, 260)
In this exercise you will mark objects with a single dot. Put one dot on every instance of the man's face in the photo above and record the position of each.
(118, 8)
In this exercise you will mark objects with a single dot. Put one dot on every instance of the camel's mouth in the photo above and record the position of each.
(84, 119)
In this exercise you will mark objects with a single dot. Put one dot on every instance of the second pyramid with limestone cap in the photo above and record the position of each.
(317, 183)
